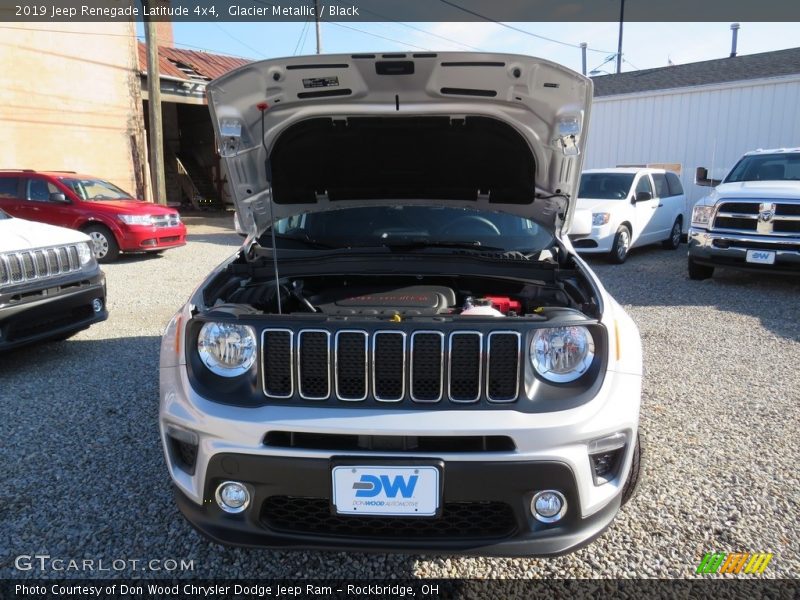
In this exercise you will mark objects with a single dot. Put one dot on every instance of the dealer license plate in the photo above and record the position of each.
(395, 490)
(764, 257)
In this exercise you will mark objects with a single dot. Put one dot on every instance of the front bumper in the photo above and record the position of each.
(550, 452)
(730, 250)
(40, 313)
(599, 241)
(485, 510)
(136, 238)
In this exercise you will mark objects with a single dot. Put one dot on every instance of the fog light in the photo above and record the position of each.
(97, 305)
(232, 497)
(548, 506)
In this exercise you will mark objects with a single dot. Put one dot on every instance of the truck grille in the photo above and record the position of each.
(31, 265)
(756, 216)
(392, 366)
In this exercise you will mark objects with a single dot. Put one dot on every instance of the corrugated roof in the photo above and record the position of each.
(723, 70)
(201, 65)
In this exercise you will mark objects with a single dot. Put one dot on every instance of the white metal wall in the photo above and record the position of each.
(694, 126)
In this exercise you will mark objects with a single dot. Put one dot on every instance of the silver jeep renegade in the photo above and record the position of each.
(406, 354)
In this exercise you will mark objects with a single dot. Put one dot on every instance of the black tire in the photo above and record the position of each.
(699, 272)
(635, 474)
(104, 243)
(674, 239)
(621, 246)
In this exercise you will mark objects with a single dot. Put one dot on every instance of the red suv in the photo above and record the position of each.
(116, 221)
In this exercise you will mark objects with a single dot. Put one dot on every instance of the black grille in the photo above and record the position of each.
(465, 367)
(734, 223)
(278, 363)
(21, 329)
(389, 365)
(459, 520)
(314, 375)
(389, 443)
(426, 366)
(788, 210)
(786, 226)
(503, 350)
(745, 208)
(351, 365)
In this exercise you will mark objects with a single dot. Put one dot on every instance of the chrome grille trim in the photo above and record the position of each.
(488, 356)
(42, 263)
(170, 220)
(291, 365)
(411, 366)
(336, 364)
(403, 336)
(481, 357)
(300, 335)
(752, 214)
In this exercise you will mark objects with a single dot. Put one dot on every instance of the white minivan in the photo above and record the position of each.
(623, 208)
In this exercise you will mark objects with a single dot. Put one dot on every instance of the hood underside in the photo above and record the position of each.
(482, 131)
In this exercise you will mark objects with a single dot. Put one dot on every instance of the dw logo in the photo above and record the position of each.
(370, 486)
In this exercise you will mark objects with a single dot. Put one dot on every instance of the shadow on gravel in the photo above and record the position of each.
(656, 277)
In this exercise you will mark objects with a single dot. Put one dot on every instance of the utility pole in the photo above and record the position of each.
(317, 19)
(619, 44)
(156, 131)
(583, 58)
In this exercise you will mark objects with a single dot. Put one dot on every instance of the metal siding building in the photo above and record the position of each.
(670, 115)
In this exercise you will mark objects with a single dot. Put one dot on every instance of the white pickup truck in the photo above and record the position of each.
(50, 284)
(751, 220)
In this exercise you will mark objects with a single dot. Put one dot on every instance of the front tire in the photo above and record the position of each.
(621, 246)
(674, 239)
(699, 272)
(105, 246)
(635, 474)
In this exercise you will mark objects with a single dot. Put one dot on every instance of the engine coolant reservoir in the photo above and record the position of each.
(480, 307)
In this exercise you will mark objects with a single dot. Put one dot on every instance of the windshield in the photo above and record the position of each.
(766, 167)
(605, 186)
(414, 226)
(95, 189)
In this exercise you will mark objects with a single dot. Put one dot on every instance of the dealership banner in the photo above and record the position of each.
(394, 10)
(425, 589)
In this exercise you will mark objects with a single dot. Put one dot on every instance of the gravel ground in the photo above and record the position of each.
(83, 475)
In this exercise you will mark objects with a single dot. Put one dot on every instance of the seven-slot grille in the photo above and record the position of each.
(392, 366)
(766, 218)
(32, 265)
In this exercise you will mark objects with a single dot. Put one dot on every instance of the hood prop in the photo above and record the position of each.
(262, 107)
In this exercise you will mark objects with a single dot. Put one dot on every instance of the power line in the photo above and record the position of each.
(230, 35)
(517, 29)
(375, 35)
(301, 38)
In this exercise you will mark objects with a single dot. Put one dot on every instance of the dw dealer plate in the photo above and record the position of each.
(386, 490)
(764, 257)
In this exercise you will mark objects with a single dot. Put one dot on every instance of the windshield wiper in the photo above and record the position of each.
(304, 239)
(469, 245)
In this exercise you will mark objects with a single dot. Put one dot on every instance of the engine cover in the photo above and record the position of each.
(420, 300)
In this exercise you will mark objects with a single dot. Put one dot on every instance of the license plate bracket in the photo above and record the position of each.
(761, 257)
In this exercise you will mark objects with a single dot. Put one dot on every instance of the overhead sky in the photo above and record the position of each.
(646, 45)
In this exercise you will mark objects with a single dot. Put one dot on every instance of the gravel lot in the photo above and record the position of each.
(83, 475)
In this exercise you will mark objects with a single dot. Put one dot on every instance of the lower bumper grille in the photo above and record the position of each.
(459, 520)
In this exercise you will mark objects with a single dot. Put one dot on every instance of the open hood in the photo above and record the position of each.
(484, 131)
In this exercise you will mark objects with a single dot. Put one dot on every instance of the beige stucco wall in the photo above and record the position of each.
(70, 100)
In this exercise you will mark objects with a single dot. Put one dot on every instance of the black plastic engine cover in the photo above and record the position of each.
(413, 300)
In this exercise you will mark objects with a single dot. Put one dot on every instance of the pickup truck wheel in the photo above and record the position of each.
(674, 239)
(635, 474)
(105, 247)
(699, 272)
(621, 245)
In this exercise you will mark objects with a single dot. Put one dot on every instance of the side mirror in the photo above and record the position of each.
(641, 196)
(701, 178)
(57, 197)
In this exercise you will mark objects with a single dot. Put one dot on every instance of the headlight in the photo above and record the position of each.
(701, 215)
(600, 218)
(136, 219)
(562, 354)
(85, 254)
(227, 349)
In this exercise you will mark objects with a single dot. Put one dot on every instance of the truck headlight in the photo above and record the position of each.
(701, 215)
(600, 218)
(227, 349)
(136, 219)
(562, 354)
(85, 254)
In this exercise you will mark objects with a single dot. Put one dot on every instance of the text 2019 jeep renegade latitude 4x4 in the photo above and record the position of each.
(406, 354)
